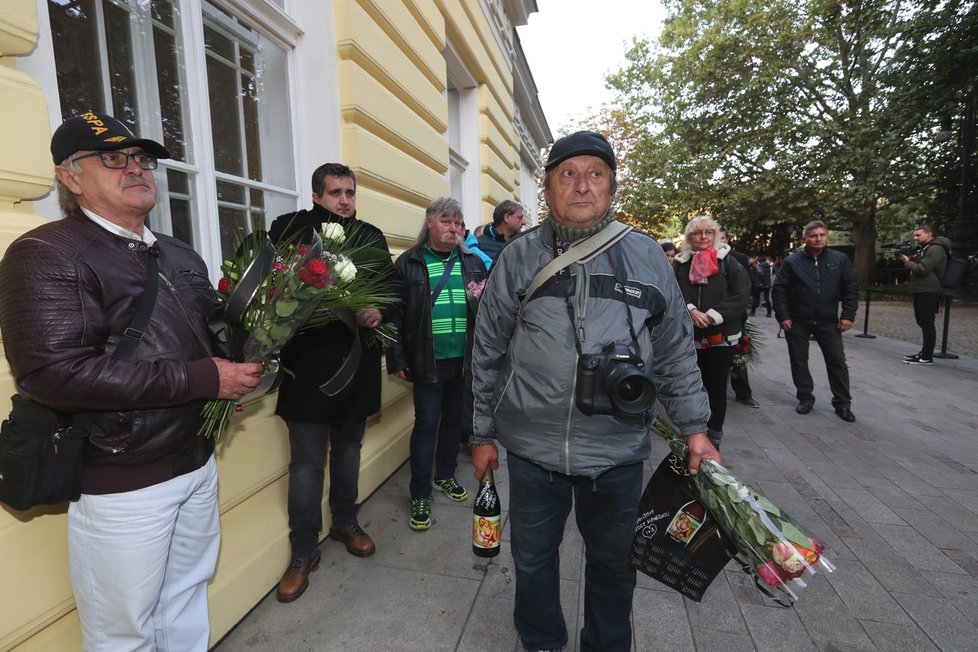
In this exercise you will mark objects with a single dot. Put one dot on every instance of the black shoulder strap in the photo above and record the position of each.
(449, 264)
(133, 334)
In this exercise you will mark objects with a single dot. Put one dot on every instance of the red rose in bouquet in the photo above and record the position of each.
(314, 273)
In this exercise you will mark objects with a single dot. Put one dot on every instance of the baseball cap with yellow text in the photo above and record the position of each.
(98, 132)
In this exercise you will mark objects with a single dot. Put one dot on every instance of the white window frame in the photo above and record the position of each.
(313, 100)
(466, 156)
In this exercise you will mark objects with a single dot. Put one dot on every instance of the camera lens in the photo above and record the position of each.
(630, 390)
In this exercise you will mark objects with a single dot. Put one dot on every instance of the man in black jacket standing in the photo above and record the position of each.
(806, 295)
(440, 281)
(316, 420)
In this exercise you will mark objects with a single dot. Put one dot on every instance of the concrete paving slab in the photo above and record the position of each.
(660, 623)
(938, 618)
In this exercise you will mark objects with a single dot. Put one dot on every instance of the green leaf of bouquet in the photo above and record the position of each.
(280, 332)
(793, 533)
(285, 307)
(767, 505)
(761, 533)
(733, 494)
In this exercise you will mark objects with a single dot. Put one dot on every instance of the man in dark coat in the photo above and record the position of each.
(316, 420)
(807, 293)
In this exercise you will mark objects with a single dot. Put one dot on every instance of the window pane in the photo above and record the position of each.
(234, 228)
(163, 12)
(248, 82)
(231, 192)
(74, 37)
(261, 205)
(226, 116)
(181, 207)
(218, 44)
(119, 51)
(169, 84)
(179, 182)
(249, 103)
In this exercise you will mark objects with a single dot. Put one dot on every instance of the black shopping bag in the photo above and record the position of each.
(677, 541)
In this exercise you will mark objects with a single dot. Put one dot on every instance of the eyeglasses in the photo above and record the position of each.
(702, 233)
(120, 160)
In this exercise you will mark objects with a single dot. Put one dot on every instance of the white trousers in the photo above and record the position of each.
(140, 562)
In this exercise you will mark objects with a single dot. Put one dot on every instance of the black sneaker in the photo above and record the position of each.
(420, 514)
(919, 360)
(452, 489)
(912, 356)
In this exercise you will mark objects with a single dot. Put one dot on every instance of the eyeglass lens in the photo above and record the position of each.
(118, 160)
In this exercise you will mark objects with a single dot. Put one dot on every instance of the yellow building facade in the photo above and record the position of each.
(422, 98)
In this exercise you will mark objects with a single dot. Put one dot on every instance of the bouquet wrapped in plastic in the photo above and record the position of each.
(271, 292)
(769, 543)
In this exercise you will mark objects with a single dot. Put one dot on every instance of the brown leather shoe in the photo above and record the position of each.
(357, 541)
(296, 578)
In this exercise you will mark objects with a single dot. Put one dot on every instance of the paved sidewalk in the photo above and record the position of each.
(894, 495)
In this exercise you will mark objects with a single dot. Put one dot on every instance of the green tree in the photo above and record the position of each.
(769, 114)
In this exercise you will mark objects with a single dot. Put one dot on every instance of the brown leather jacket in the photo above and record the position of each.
(68, 289)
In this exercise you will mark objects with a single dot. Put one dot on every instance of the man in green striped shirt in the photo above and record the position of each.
(440, 281)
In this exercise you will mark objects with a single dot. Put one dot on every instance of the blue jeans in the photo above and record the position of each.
(437, 427)
(605, 508)
(308, 443)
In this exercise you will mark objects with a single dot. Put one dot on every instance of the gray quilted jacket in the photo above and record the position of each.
(524, 364)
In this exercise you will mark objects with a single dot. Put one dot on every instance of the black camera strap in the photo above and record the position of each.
(133, 335)
(618, 268)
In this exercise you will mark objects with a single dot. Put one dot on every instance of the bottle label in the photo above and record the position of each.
(686, 522)
(485, 531)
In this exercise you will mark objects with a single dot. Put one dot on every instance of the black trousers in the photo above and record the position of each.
(740, 384)
(714, 364)
(925, 306)
(830, 341)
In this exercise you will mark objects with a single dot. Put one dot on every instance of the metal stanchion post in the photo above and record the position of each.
(947, 322)
(865, 333)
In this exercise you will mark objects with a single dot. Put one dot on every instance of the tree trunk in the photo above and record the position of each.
(864, 246)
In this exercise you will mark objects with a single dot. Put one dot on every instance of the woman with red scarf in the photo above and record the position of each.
(716, 289)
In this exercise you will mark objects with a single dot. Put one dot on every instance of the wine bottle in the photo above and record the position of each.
(486, 524)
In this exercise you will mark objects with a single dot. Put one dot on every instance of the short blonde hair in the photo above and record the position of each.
(700, 222)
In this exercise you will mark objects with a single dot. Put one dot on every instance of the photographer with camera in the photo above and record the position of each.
(568, 359)
(716, 289)
(926, 266)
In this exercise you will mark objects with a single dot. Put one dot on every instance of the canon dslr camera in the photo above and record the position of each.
(614, 382)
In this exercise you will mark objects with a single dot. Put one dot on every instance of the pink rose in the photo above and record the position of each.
(768, 573)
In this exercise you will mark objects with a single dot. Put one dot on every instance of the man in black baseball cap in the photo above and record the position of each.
(581, 143)
(144, 533)
(533, 393)
(98, 132)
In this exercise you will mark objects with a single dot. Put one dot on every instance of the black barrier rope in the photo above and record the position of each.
(947, 322)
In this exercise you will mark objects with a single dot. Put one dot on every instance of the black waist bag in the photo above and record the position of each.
(40, 455)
